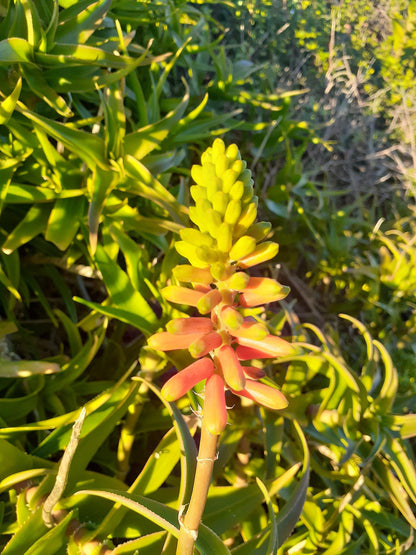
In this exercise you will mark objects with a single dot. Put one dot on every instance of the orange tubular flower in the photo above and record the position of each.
(252, 330)
(181, 295)
(203, 345)
(260, 291)
(263, 394)
(269, 347)
(227, 362)
(186, 379)
(215, 410)
(189, 325)
(165, 341)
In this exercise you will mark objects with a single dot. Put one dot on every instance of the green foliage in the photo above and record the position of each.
(104, 106)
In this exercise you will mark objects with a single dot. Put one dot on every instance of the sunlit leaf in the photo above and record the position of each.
(163, 516)
(79, 21)
(25, 368)
(33, 223)
(7, 106)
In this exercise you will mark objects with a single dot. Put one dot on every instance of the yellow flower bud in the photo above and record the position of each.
(239, 166)
(221, 165)
(206, 157)
(202, 206)
(190, 252)
(207, 254)
(237, 190)
(233, 212)
(209, 301)
(238, 281)
(213, 186)
(220, 271)
(231, 318)
(219, 202)
(213, 221)
(246, 218)
(197, 174)
(224, 238)
(218, 148)
(243, 247)
(232, 152)
(193, 214)
(189, 274)
(264, 251)
(228, 180)
(197, 191)
(196, 237)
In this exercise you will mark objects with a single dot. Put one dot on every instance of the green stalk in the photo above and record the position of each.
(127, 434)
(205, 463)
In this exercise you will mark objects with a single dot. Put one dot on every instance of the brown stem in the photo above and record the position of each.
(205, 463)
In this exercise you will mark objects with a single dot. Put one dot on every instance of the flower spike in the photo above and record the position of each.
(226, 241)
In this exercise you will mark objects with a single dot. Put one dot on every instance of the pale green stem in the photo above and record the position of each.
(205, 463)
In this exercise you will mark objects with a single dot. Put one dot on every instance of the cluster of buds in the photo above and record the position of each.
(227, 242)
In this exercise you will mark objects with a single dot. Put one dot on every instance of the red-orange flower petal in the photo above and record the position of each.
(215, 410)
(204, 344)
(269, 347)
(165, 341)
(263, 394)
(253, 330)
(187, 378)
(189, 325)
(227, 362)
(181, 295)
(260, 290)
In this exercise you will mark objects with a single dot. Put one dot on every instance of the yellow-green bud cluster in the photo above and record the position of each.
(225, 213)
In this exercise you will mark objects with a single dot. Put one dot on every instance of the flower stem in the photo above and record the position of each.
(205, 463)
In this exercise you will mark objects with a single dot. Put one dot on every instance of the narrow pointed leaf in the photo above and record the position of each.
(79, 22)
(33, 223)
(165, 517)
(7, 106)
(15, 50)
